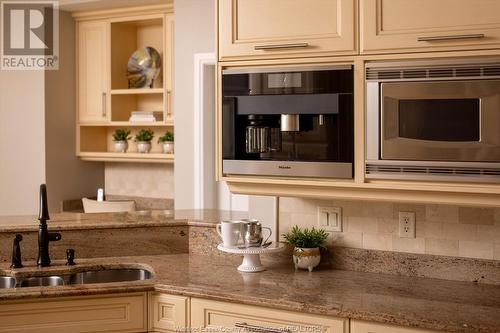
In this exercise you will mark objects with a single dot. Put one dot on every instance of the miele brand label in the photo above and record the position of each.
(284, 167)
(284, 80)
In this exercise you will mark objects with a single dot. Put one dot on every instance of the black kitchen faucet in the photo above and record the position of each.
(44, 236)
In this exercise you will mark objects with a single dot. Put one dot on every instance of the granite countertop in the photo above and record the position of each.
(408, 301)
(148, 218)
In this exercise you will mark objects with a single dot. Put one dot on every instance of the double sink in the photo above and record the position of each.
(85, 277)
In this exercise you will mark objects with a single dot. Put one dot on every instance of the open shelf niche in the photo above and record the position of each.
(128, 37)
(97, 144)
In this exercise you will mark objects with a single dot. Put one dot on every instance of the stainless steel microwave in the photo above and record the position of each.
(434, 120)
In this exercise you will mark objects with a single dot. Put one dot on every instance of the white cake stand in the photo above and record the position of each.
(251, 256)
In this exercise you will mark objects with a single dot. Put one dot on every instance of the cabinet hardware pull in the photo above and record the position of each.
(104, 104)
(450, 37)
(280, 46)
(262, 329)
(168, 105)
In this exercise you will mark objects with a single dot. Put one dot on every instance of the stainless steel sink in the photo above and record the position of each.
(101, 276)
(42, 281)
(110, 275)
(7, 282)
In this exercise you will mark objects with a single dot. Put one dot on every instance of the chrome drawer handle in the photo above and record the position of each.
(281, 46)
(104, 104)
(255, 328)
(450, 37)
(169, 114)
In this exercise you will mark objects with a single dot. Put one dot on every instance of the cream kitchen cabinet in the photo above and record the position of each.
(115, 313)
(92, 68)
(160, 312)
(168, 313)
(105, 42)
(207, 314)
(358, 326)
(394, 26)
(286, 28)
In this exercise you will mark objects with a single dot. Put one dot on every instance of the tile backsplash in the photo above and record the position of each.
(440, 229)
(147, 180)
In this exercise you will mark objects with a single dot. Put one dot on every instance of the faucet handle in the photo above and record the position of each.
(70, 257)
(16, 252)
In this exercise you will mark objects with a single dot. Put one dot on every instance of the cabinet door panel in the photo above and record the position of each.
(168, 313)
(286, 28)
(389, 26)
(92, 71)
(117, 313)
(228, 316)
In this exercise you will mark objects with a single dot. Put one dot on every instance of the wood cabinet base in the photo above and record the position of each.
(116, 313)
(168, 313)
(206, 315)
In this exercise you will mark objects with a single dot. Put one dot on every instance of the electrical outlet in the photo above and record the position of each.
(407, 224)
(330, 218)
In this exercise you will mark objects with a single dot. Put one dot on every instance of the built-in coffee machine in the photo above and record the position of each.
(288, 122)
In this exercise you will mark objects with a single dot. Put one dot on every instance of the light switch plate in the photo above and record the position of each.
(330, 218)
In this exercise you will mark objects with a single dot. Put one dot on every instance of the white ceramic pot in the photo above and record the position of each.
(121, 146)
(168, 147)
(306, 258)
(143, 146)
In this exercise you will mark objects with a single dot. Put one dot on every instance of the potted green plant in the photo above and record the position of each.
(307, 243)
(168, 142)
(143, 139)
(121, 137)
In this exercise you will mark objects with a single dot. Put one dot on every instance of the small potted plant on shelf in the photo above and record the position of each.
(168, 142)
(143, 139)
(307, 243)
(121, 137)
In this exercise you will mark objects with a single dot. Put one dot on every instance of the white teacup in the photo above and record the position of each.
(230, 232)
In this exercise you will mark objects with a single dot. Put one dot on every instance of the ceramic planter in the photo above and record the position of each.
(306, 258)
(121, 146)
(143, 146)
(168, 147)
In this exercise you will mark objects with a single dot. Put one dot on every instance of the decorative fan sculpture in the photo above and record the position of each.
(143, 67)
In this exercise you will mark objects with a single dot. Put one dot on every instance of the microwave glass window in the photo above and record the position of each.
(440, 119)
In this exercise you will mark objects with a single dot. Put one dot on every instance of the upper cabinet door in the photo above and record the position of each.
(394, 26)
(92, 71)
(250, 29)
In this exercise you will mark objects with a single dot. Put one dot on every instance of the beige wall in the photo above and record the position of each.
(67, 176)
(37, 135)
(440, 229)
(140, 180)
(194, 33)
(22, 141)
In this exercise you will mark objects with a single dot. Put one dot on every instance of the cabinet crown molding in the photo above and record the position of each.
(120, 12)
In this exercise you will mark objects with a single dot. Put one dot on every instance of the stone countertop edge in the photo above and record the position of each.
(355, 295)
(106, 225)
(82, 221)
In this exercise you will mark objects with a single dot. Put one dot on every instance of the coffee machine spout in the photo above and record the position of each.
(290, 123)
